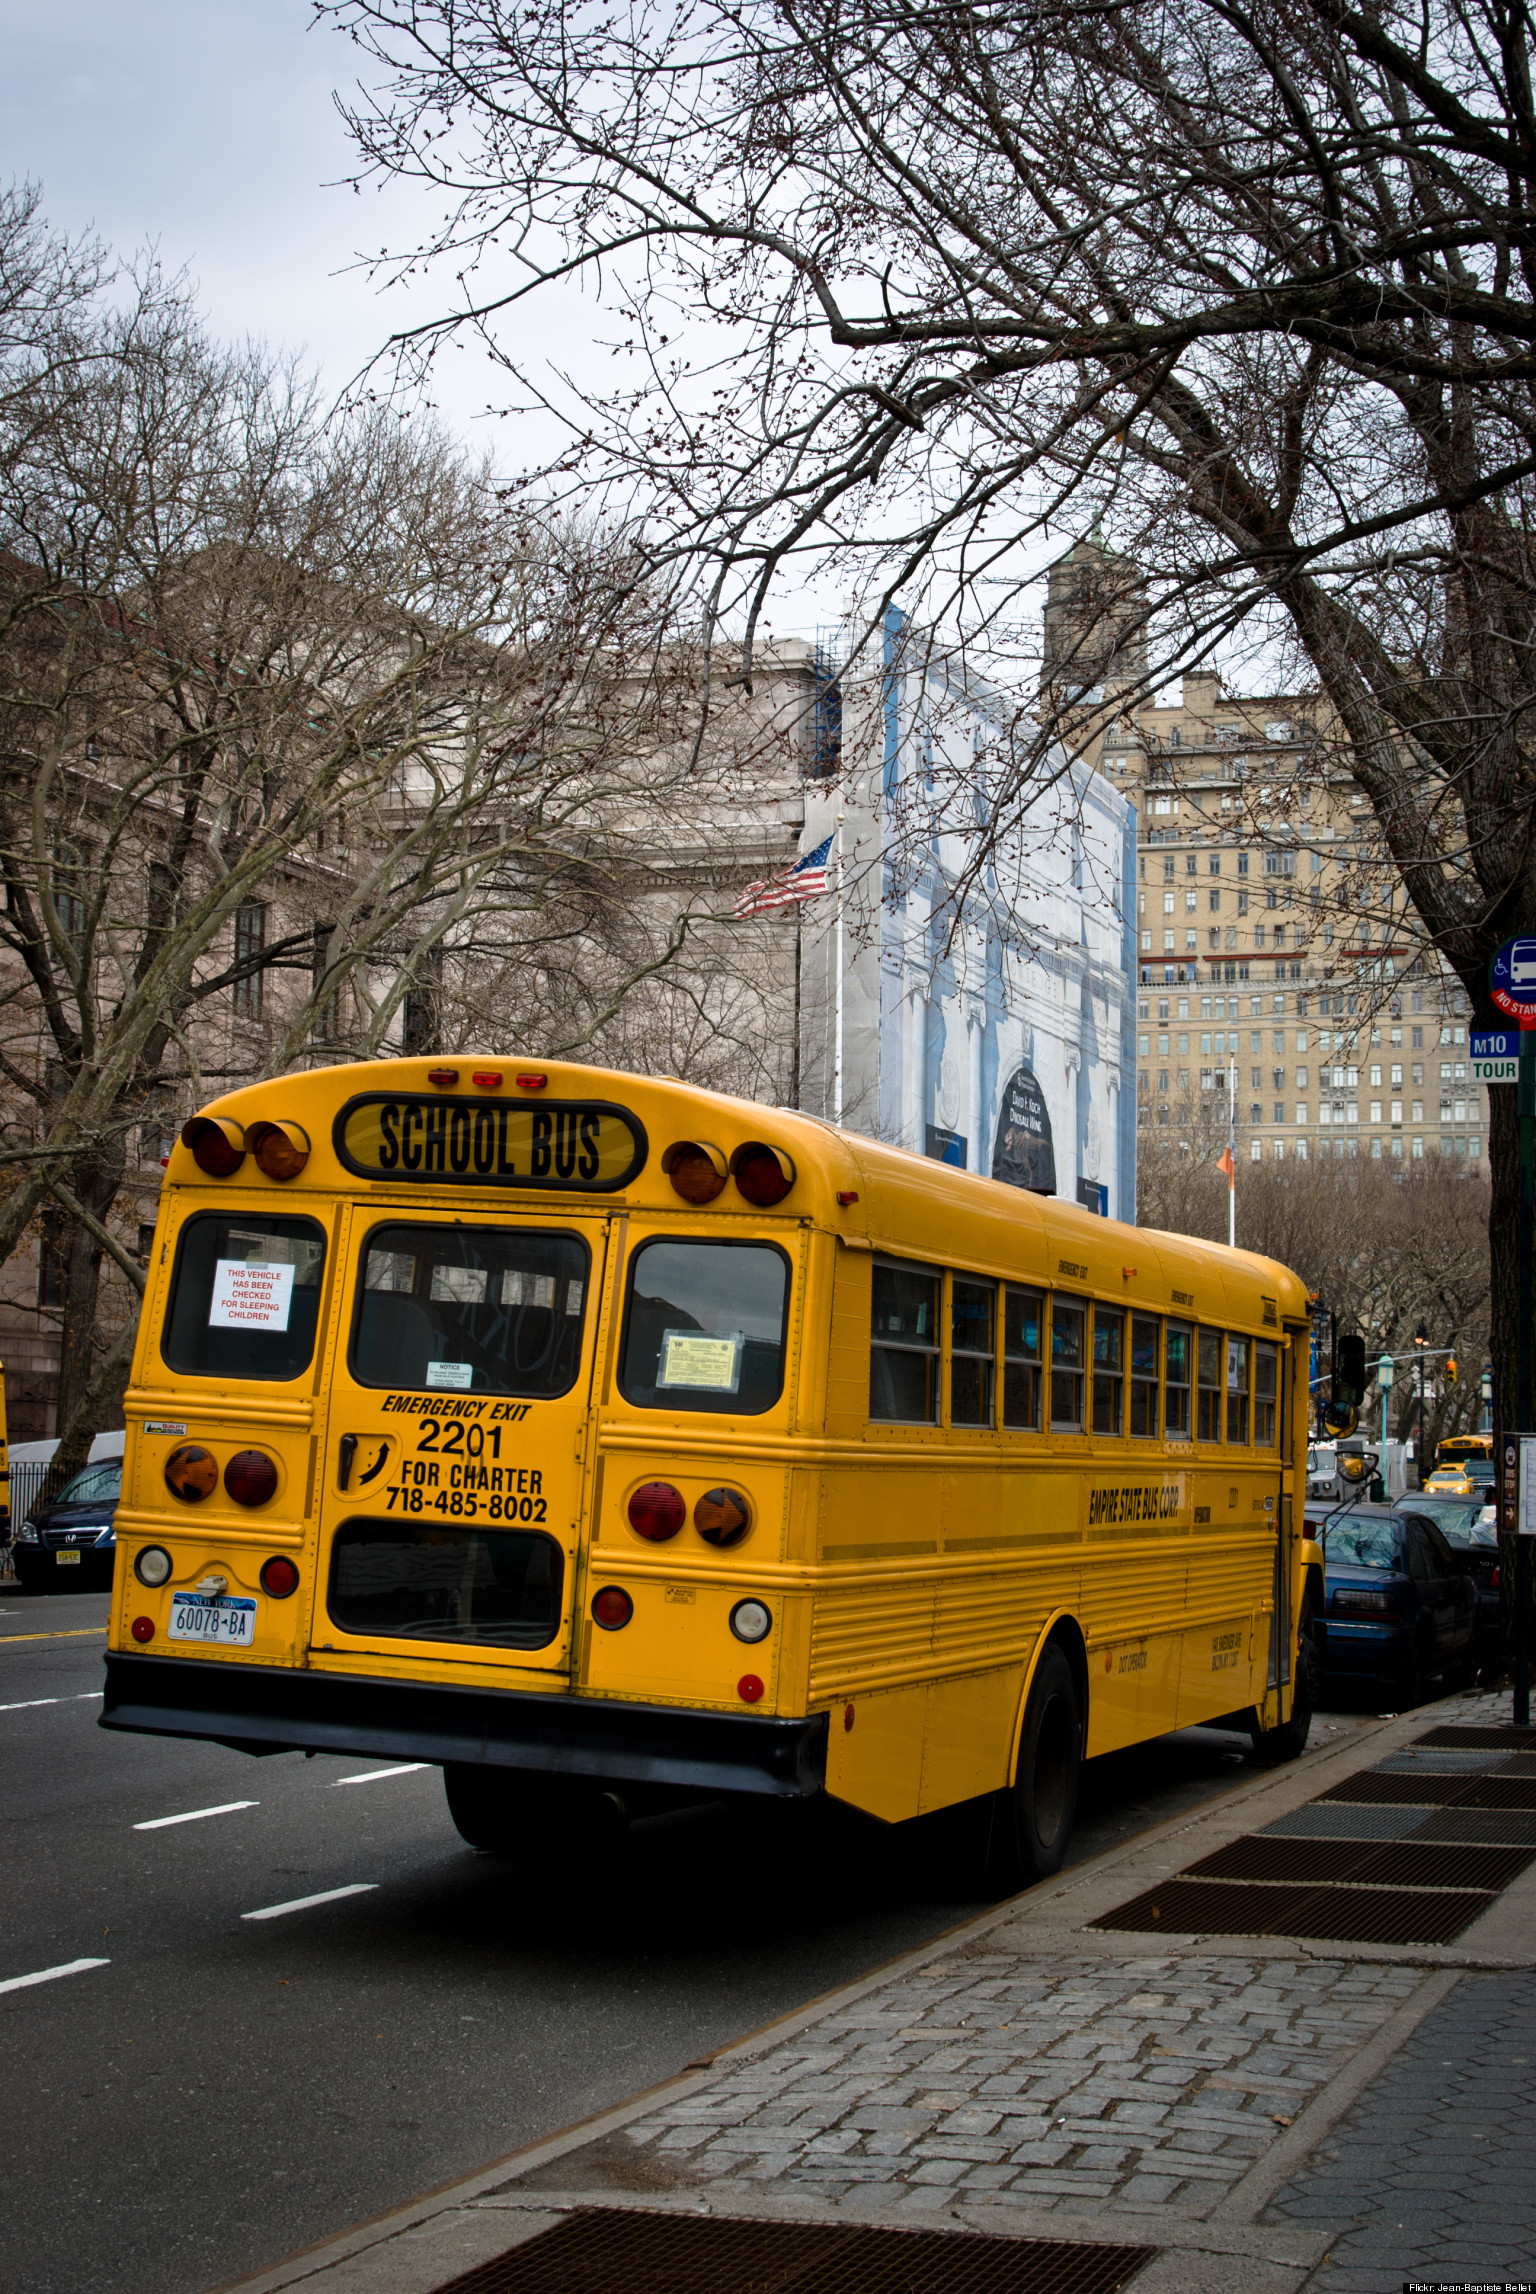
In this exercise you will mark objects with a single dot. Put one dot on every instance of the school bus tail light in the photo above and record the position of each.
(281, 1149)
(611, 1608)
(217, 1145)
(279, 1577)
(722, 1517)
(191, 1473)
(763, 1174)
(657, 1511)
(251, 1477)
(697, 1170)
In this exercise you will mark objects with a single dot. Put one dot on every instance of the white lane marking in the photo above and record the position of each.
(372, 1775)
(30, 1704)
(49, 1974)
(303, 1903)
(225, 1808)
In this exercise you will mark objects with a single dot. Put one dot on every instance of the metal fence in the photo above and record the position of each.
(27, 1481)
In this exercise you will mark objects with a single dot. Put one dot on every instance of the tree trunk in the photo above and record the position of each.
(82, 1393)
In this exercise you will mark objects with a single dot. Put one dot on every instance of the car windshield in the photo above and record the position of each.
(1363, 1545)
(1455, 1518)
(93, 1485)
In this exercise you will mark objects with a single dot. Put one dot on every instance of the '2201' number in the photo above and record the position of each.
(459, 1440)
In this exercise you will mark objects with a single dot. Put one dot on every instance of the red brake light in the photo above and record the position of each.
(443, 1077)
(488, 1078)
(279, 1577)
(251, 1477)
(763, 1174)
(532, 1082)
(191, 1473)
(143, 1628)
(750, 1689)
(612, 1608)
(697, 1173)
(281, 1149)
(218, 1146)
(657, 1511)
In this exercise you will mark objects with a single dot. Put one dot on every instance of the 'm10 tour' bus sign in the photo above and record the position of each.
(585, 1146)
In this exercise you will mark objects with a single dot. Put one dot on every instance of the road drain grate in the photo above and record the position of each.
(1483, 1739)
(1372, 1788)
(1497, 1792)
(1509, 1826)
(1393, 1864)
(1345, 1914)
(602, 2250)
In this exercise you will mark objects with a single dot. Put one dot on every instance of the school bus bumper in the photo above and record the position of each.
(265, 1709)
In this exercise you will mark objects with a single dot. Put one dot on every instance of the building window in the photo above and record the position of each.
(250, 939)
(1256, 1148)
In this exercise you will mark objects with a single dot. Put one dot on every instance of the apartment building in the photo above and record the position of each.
(1276, 955)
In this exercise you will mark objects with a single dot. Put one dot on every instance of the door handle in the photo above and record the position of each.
(348, 1453)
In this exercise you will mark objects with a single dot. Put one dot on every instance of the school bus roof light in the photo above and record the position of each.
(531, 1082)
(217, 1145)
(763, 1174)
(443, 1077)
(696, 1169)
(281, 1149)
(486, 1078)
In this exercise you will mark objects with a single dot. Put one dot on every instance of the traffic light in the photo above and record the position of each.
(1450, 1368)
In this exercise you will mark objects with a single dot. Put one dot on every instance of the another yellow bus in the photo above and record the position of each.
(1466, 1449)
(602, 1440)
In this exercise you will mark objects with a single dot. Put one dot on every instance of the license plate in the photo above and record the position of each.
(65, 1560)
(200, 1617)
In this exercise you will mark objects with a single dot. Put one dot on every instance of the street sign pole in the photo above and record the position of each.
(1525, 1409)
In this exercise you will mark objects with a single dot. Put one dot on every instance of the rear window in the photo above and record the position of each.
(245, 1296)
(469, 1310)
(442, 1581)
(1364, 1545)
(704, 1327)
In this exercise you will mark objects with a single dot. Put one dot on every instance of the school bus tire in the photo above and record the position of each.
(507, 1812)
(1033, 1817)
(1271, 1746)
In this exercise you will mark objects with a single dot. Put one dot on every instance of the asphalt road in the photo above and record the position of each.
(222, 2089)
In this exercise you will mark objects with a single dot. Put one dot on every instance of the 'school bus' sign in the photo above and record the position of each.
(586, 1147)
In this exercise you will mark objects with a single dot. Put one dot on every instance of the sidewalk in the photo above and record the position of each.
(1278, 2112)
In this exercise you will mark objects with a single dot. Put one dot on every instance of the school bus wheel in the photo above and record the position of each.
(1032, 1821)
(508, 1812)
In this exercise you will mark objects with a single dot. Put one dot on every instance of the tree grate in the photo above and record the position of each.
(1393, 1864)
(1487, 1739)
(611, 2250)
(1342, 1914)
(1508, 1826)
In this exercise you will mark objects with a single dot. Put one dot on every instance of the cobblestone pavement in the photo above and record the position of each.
(1436, 2163)
(1148, 2082)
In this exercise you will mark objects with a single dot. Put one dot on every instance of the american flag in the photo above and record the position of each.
(806, 880)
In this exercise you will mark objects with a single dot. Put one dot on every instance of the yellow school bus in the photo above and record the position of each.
(605, 1440)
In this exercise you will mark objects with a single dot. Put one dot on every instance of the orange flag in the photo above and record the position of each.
(1224, 1162)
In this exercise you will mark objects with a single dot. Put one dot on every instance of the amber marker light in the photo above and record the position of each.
(657, 1511)
(763, 1174)
(191, 1473)
(251, 1477)
(722, 1517)
(281, 1149)
(217, 1145)
(697, 1170)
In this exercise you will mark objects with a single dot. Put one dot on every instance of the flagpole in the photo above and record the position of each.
(837, 958)
(1232, 1153)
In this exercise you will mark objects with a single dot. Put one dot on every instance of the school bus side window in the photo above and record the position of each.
(1023, 1321)
(1266, 1386)
(704, 1327)
(1237, 1389)
(1068, 1357)
(904, 1352)
(1179, 1365)
(1208, 1386)
(245, 1296)
(1108, 1369)
(1144, 1369)
(972, 1350)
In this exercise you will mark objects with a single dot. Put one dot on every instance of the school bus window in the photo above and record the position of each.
(433, 1580)
(1068, 1319)
(1237, 1389)
(1022, 1320)
(245, 1296)
(1266, 1386)
(472, 1310)
(1176, 1370)
(1108, 1369)
(1144, 1368)
(1208, 1386)
(704, 1327)
(972, 1351)
(904, 1345)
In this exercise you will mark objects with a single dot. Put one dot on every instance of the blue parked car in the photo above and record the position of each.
(1400, 1607)
(69, 1545)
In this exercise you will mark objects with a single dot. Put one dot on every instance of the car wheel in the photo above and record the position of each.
(1273, 1745)
(1032, 1818)
(508, 1813)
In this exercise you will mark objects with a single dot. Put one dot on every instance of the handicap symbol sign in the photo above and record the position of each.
(1512, 976)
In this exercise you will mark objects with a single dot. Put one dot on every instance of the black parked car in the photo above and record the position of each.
(1400, 1607)
(1459, 1521)
(69, 1545)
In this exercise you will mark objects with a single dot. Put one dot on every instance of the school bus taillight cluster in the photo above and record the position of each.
(657, 1512)
(279, 1150)
(192, 1473)
(698, 1171)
